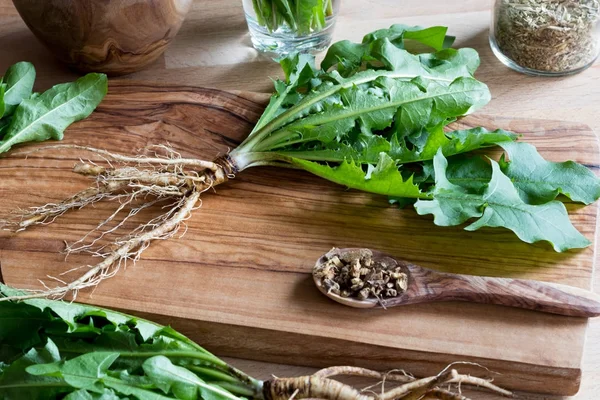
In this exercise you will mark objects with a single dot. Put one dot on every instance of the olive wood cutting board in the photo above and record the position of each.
(239, 282)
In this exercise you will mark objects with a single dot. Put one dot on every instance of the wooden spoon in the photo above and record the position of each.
(426, 285)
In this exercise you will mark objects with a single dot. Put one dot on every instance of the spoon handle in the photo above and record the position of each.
(532, 295)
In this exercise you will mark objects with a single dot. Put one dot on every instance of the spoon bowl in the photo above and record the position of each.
(349, 301)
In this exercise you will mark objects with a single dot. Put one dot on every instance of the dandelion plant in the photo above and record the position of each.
(374, 117)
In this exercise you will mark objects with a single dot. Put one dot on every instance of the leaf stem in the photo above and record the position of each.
(213, 374)
(236, 388)
(329, 8)
(244, 160)
(35, 384)
(178, 354)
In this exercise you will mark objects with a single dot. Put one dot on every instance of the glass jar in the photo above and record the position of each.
(546, 37)
(287, 26)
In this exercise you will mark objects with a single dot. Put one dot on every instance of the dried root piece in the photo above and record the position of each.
(169, 178)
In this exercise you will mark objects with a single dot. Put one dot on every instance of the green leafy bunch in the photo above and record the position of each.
(26, 116)
(300, 16)
(376, 116)
(52, 349)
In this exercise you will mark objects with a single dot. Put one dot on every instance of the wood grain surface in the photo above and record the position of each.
(213, 49)
(111, 36)
(244, 268)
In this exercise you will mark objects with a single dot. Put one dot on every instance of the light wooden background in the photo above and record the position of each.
(212, 49)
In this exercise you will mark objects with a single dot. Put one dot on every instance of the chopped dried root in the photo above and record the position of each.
(168, 179)
(321, 387)
(358, 274)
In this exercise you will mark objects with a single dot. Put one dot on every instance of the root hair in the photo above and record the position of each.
(134, 183)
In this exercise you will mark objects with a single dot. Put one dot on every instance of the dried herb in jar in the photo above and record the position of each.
(548, 35)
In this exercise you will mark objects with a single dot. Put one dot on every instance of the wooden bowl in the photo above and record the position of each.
(112, 36)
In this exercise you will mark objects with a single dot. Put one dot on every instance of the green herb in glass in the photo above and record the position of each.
(299, 16)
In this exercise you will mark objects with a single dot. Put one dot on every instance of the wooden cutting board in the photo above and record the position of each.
(239, 282)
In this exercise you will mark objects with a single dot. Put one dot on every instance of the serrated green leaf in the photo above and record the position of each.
(172, 379)
(383, 178)
(48, 115)
(137, 392)
(83, 372)
(79, 395)
(434, 36)
(451, 204)
(499, 206)
(366, 150)
(17, 384)
(299, 69)
(103, 355)
(451, 62)
(20, 325)
(539, 181)
(83, 394)
(19, 79)
(4, 123)
(345, 55)
(75, 333)
(471, 172)
(532, 223)
(349, 56)
(451, 143)
(183, 383)
(374, 108)
(449, 81)
(70, 314)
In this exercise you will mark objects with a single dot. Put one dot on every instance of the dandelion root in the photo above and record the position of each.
(357, 371)
(136, 183)
(321, 386)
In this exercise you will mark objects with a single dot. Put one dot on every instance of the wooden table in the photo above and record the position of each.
(213, 49)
